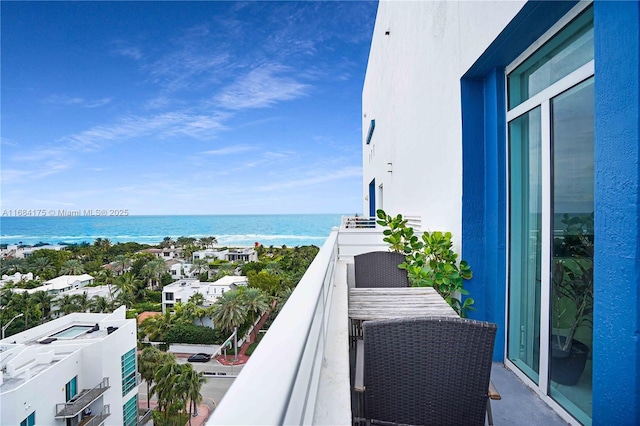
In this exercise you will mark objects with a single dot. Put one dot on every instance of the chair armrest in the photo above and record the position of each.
(493, 392)
(358, 382)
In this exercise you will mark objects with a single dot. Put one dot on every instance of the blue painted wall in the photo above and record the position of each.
(616, 350)
(616, 331)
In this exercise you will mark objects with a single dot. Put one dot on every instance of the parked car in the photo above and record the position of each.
(199, 357)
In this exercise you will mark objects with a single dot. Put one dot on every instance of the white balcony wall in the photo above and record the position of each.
(304, 356)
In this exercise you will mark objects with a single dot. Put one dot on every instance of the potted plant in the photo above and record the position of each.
(572, 290)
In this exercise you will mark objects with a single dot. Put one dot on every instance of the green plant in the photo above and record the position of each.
(572, 279)
(430, 260)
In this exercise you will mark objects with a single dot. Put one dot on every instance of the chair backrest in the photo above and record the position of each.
(380, 269)
(431, 370)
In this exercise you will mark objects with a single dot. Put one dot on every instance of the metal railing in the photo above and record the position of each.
(76, 404)
(364, 222)
(289, 357)
(98, 419)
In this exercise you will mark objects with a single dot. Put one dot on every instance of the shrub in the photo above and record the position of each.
(194, 334)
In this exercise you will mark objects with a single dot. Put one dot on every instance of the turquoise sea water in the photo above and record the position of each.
(238, 230)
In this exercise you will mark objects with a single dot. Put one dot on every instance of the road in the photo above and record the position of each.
(215, 386)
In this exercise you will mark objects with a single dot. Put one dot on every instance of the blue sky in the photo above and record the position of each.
(184, 107)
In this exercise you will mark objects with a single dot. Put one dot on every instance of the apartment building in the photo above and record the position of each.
(77, 369)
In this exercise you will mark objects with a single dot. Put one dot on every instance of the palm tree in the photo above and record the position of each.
(121, 263)
(44, 301)
(229, 311)
(108, 278)
(197, 299)
(256, 302)
(199, 266)
(127, 285)
(42, 266)
(72, 267)
(168, 394)
(155, 327)
(100, 304)
(193, 381)
(154, 269)
(148, 363)
(67, 304)
(82, 301)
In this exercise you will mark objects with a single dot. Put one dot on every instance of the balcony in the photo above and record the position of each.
(98, 419)
(304, 358)
(75, 405)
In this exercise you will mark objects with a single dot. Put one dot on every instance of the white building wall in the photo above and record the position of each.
(412, 91)
(89, 359)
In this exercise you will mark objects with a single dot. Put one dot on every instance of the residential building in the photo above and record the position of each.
(182, 290)
(21, 252)
(164, 253)
(243, 255)
(71, 369)
(61, 284)
(237, 254)
(16, 278)
(211, 253)
(491, 120)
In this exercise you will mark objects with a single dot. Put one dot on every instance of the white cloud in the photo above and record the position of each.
(320, 176)
(228, 150)
(65, 100)
(262, 87)
(199, 126)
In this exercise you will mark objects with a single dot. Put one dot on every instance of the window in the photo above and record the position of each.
(168, 296)
(128, 367)
(372, 127)
(130, 412)
(71, 388)
(29, 421)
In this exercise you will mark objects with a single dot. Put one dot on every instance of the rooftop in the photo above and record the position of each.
(27, 354)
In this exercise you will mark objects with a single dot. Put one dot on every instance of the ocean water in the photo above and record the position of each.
(236, 230)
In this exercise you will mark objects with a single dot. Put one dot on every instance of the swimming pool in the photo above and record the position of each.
(73, 331)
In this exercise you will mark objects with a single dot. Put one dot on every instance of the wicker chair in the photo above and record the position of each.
(380, 269)
(433, 371)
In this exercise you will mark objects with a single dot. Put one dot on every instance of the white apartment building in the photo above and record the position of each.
(78, 369)
(182, 290)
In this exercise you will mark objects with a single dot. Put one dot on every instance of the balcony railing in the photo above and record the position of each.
(98, 419)
(298, 338)
(75, 405)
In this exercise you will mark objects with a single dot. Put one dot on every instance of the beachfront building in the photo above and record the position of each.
(20, 252)
(492, 120)
(210, 253)
(242, 255)
(78, 368)
(182, 290)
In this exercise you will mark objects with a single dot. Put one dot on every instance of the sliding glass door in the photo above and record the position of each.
(551, 203)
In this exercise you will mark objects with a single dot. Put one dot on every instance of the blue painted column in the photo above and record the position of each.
(483, 198)
(616, 331)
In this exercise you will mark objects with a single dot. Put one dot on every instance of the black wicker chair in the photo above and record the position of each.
(380, 269)
(427, 371)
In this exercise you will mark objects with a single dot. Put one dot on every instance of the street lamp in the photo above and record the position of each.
(7, 324)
